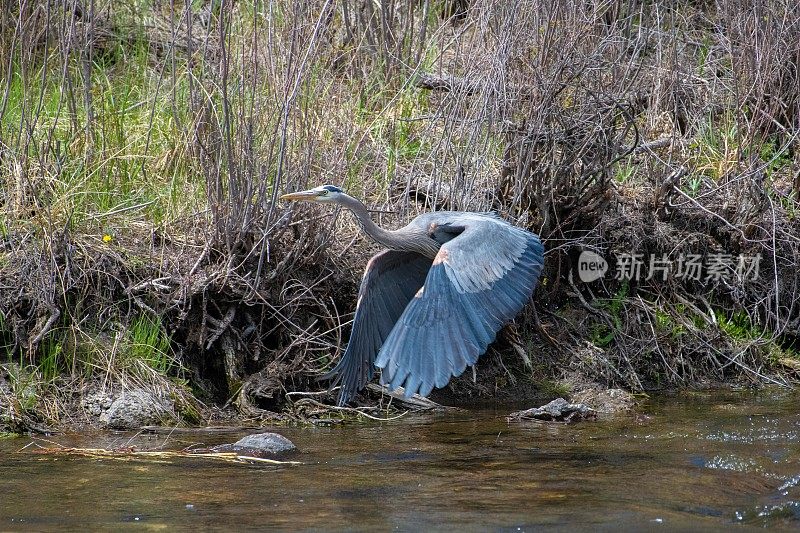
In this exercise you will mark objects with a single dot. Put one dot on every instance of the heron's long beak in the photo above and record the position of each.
(308, 196)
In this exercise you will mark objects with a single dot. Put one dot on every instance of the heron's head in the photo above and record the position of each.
(324, 194)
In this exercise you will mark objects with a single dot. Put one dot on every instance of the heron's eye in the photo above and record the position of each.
(331, 189)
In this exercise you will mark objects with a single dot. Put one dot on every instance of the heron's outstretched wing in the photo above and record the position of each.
(478, 281)
(390, 281)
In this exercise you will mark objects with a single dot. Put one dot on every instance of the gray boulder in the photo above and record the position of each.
(559, 410)
(259, 445)
(135, 408)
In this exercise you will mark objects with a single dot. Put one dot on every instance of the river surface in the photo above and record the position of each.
(700, 461)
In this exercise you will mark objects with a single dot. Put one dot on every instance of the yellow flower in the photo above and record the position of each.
(107, 238)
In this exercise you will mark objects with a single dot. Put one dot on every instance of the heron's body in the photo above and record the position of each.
(432, 302)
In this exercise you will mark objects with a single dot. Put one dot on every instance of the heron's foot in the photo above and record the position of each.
(415, 402)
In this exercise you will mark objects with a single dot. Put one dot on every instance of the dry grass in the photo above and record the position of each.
(153, 456)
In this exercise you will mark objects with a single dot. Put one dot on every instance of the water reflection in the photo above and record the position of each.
(695, 461)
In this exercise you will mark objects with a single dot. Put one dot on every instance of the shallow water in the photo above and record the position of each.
(695, 461)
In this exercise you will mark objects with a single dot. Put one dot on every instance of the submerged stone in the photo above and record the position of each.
(259, 445)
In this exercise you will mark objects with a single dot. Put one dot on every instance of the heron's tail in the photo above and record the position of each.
(349, 375)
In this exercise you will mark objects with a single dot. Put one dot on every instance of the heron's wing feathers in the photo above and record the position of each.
(390, 281)
(478, 281)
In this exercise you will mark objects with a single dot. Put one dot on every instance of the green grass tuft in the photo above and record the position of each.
(147, 341)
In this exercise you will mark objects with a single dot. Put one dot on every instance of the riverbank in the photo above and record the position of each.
(142, 149)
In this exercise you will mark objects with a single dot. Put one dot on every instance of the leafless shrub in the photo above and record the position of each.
(763, 41)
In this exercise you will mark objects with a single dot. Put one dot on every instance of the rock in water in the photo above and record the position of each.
(559, 410)
(259, 445)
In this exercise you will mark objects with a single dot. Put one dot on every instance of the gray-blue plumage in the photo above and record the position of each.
(390, 281)
(431, 303)
(480, 279)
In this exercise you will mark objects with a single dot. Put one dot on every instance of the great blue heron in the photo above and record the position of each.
(431, 303)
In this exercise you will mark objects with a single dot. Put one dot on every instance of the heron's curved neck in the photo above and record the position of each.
(404, 239)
